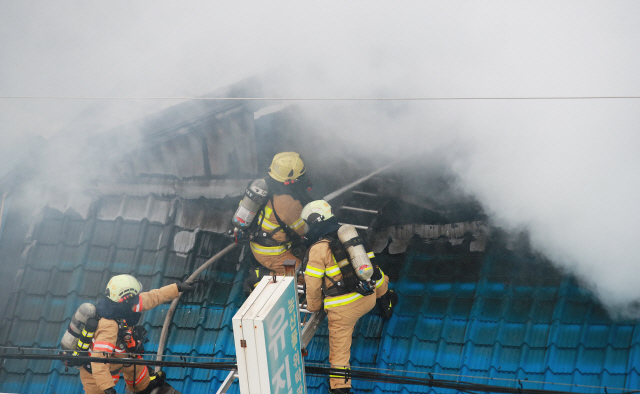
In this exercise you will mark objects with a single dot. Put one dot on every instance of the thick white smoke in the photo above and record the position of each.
(565, 169)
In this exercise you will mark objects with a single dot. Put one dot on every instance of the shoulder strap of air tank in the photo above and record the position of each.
(291, 235)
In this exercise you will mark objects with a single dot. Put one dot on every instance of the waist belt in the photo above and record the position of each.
(336, 290)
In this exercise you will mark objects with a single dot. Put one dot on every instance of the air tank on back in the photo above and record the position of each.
(348, 236)
(78, 321)
(254, 197)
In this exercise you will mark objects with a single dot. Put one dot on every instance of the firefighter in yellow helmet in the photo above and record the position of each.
(118, 336)
(278, 236)
(332, 281)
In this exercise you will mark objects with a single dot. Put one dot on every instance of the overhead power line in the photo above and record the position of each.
(466, 387)
(326, 98)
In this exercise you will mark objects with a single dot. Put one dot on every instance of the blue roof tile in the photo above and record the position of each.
(561, 360)
(615, 361)
(534, 359)
(537, 334)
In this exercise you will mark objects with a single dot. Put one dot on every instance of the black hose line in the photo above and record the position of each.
(465, 387)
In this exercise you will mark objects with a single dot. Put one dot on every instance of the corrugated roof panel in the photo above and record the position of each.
(65, 383)
(596, 335)
(203, 214)
(507, 358)
(129, 235)
(488, 309)
(39, 281)
(23, 332)
(147, 263)
(436, 306)
(565, 335)
(513, 334)
(543, 311)
(153, 237)
(43, 256)
(537, 334)
(569, 311)
(616, 360)
(175, 266)
(155, 210)
(561, 360)
(30, 306)
(92, 280)
(621, 336)
(40, 366)
(408, 305)
(123, 261)
(518, 310)
(49, 231)
(16, 366)
(477, 357)
(482, 332)
(73, 231)
(534, 359)
(633, 380)
(422, 353)
(133, 208)
(449, 354)
(55, 309)
(364, 351)
(453, 330)
(104, 233)
(205, 341)
(11, 382)
(611, 380)
(180, 340)
(404, 326)
(68, 257)
(634, 356)
(60, 282)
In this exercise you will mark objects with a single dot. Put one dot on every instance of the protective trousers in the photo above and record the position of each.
(274, 262)
(342, 320)
(141, 378)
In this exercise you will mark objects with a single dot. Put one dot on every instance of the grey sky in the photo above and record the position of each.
(567, 170)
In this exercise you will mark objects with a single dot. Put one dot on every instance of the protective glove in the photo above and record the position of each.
(185, 287)
(110, 390)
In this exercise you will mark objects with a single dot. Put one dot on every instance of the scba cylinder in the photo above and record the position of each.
(254, 197)
(78, 322)
(348, 236)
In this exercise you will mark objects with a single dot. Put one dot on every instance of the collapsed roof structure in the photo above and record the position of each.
(475, 303)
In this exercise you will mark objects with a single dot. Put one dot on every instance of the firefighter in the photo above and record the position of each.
(117, 335)
(345, 299)
(280, 228)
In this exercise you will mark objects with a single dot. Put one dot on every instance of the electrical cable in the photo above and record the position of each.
(326, 98)
(466, 387)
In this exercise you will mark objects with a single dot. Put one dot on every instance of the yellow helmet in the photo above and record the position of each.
(286, 166)
(122, 287)
(316, 211)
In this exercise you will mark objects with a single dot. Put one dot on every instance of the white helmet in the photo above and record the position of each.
(316, 211)
(121, 287)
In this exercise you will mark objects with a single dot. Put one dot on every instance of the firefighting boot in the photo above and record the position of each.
(156, 379)
(342, 390)
(387, 302)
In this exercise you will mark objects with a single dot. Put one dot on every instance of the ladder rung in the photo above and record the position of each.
(365, 193)
(359, 209)
(356, 226)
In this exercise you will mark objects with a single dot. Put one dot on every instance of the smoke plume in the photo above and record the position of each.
(566, 170)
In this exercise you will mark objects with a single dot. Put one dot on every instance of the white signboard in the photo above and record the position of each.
(267, 337)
